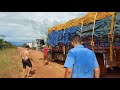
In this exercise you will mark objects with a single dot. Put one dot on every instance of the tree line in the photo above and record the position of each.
(4, 44)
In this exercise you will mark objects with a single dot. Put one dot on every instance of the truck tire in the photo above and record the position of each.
(50, 56)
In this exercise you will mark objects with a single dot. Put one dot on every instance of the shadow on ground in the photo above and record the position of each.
(113, 72)
(41, 59)
(32, 72)
(59, 62)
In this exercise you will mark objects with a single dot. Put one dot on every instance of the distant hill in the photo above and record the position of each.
(18, 43)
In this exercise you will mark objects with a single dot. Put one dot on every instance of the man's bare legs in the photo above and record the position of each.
(46, 62)
(29, 70)
(24, 73)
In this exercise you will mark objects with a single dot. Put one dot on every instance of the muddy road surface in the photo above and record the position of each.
(54, 69)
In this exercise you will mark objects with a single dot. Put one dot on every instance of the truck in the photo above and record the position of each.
(29, 44)
(100, 32)
(37, 44)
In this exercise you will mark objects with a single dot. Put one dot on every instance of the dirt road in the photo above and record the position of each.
(53, 70)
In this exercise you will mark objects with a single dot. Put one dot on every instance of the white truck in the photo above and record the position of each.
(30, 45)
(37, 44)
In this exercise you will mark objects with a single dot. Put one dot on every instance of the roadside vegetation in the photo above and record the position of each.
(10, 63)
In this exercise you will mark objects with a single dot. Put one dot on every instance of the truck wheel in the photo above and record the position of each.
(50, 57)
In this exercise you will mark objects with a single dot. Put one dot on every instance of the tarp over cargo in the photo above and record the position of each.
(102, 28)
(88, 18)
(61, 36)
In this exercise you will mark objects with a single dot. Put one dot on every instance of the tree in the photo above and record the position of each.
(4, 44)
(2, 36)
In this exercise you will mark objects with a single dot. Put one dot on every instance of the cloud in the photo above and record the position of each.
(27, 26)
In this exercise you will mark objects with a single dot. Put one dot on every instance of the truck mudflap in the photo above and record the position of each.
(103, 69)
(104, 61)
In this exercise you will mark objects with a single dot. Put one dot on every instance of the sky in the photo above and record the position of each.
(23, 27)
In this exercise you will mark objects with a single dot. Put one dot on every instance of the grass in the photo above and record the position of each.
(10, 63)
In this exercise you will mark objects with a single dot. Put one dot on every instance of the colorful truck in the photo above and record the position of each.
(100, 32)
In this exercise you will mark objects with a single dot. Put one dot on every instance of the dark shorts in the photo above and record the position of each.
(26, 63)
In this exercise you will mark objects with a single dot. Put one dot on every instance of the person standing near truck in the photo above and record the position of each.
(45, 54)
(81, 62)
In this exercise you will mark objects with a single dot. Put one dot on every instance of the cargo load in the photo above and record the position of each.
(100, 32)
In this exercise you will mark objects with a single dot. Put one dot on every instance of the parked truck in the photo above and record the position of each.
(100, 32)
(29, 44)
(37, 44)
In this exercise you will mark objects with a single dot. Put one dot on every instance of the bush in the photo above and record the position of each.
(5, 44)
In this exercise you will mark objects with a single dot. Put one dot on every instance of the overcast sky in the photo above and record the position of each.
(27, 26)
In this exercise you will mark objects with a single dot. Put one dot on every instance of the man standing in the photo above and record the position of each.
(81, 62)
(26, 61)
